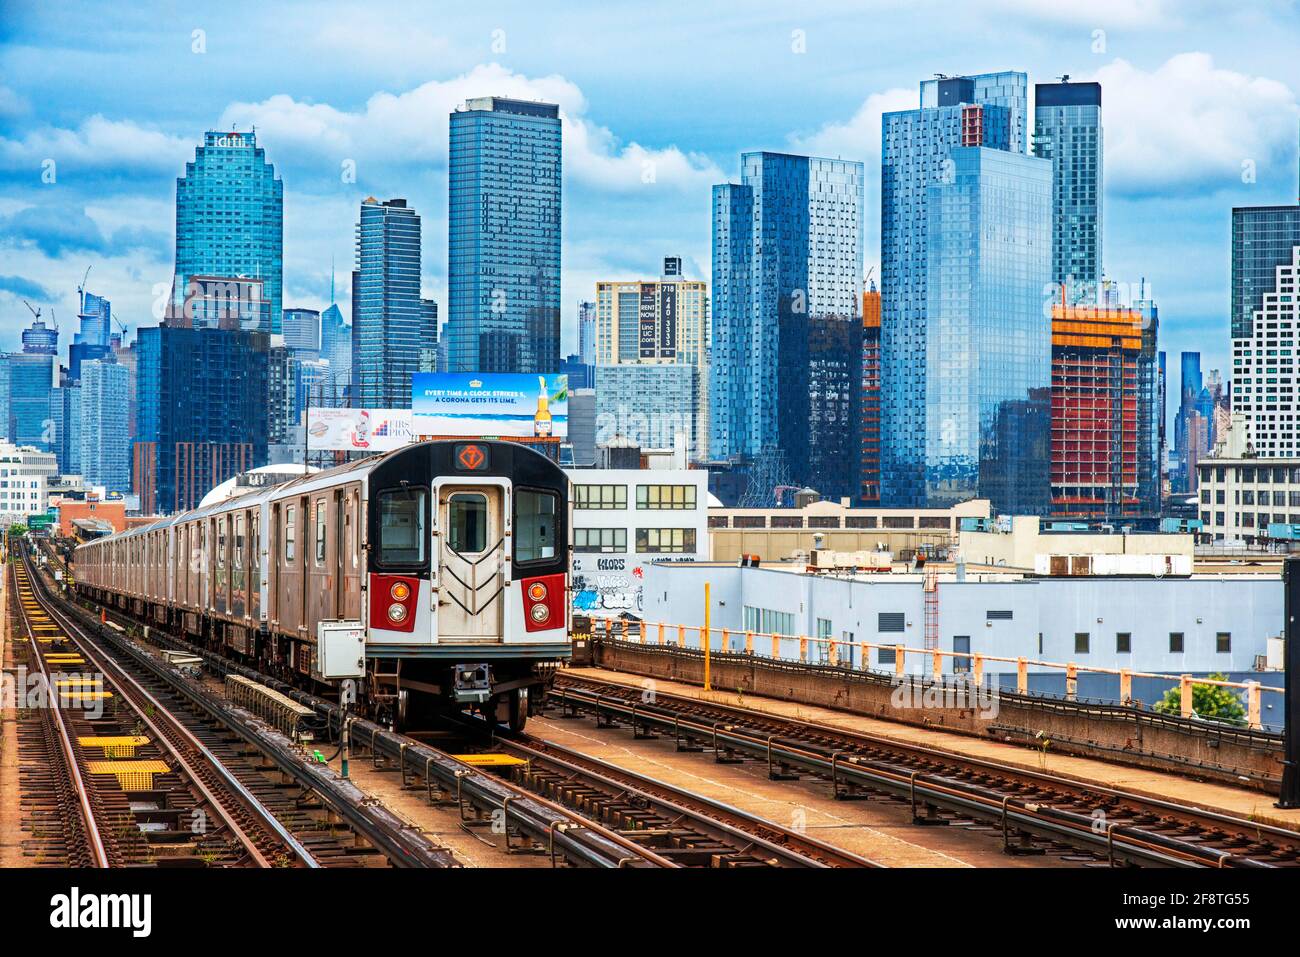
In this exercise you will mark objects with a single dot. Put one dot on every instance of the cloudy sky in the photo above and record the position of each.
(100, 107)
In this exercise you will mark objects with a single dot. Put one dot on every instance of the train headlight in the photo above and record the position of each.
(539, 613)
(400, 591)
(537, 591)
(397, 613)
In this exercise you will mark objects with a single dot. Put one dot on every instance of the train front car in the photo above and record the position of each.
(467, 579)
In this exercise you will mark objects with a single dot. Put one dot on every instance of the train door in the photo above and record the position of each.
(238, 580)
(471, 563)
(220, 578)
(275, 564)
(350, 557)
(320, 579)
(338, 552)
(255, 564)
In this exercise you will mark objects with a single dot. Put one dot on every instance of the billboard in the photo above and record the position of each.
(358, 430)
(490, 404)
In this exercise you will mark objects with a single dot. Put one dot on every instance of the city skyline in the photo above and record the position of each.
(1185, 111)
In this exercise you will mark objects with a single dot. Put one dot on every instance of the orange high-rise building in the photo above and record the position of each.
(1104, 458)
(870, 484)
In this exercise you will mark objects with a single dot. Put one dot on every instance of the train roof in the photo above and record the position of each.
(326, 478)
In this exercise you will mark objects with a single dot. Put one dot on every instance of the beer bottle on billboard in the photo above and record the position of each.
(542, 418)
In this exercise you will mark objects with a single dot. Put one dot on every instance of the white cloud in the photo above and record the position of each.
(1189, 124)
(1098, 14)
(411, 128)
(98, 143)
(858, 138)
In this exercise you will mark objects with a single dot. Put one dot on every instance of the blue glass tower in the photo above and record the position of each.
(965, 341)
(1067, 131)
(31, 382)
(387, 314)
(503, 271)
(230, 218)
(1263, 238)
(785, 366)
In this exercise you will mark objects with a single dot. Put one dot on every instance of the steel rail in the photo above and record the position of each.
(840, 765)
(134, 690)
(98, 850)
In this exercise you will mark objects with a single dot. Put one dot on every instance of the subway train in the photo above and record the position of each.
(452, 556)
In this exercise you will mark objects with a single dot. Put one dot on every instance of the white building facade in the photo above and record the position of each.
(24, 472)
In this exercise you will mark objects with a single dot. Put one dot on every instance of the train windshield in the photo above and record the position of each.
(401, 526)
(534, 525)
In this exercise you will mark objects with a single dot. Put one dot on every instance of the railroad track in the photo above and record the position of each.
(1034, 811)
(234, 772)
(691, 829)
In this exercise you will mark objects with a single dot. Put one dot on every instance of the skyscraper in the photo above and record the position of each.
(230, 218)
(587, 333)
(105, 452)
(785, 364)
(96, 320)
(31, 380)
(1067, 131)
(389, 318)
(503, 271)
(302, 330)
(870, 490)
(336, 347)
(202, 415)
(966, 255)
(1266, 389)
(1263, 238)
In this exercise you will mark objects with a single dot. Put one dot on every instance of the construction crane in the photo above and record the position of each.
(81, 290)
(36, 313)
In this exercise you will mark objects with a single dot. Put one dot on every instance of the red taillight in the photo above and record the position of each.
(398, 612)
(537, 591)
(543, 603)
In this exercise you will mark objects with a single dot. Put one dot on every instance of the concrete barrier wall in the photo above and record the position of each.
(1110, 732)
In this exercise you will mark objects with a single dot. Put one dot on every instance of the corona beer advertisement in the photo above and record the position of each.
(358, 430)
(490, 404)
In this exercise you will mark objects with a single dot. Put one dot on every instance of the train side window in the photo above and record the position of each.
(239, 542)
(320, 532)
(534, 525)
(401, 526)
(221, 543)
(290, 534)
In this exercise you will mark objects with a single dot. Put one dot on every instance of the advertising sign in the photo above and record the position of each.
(668, 320)
(358, 430)
(490, 404)
(646, 321)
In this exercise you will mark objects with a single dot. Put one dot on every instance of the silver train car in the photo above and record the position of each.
(450, 557)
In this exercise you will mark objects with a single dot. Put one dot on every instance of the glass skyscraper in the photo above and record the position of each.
(230, 218)
(785, 363)
(503, 270)
(31, 382)
(1263, 238)
(202, 414)
(388, 317)
(965, 338)
(105, 450)
(1067, 131)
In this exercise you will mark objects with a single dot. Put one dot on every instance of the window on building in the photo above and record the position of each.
(749, 521)
(1176, 642)
(899, 521)
(768, 621)
(823, 521)
(593, 497)
(861, 521)
(995, 614)
(596, 540)
(664, 540)
(401, 526)
(787, 521)
(1080, 642)
(886, 656)
(719, 521)
(1223, 642)
(678, 497)
(535, 518)
(934, 521)
(1123, 643)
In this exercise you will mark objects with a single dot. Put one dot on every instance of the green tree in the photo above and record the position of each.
(1211, 702)
(17, 531)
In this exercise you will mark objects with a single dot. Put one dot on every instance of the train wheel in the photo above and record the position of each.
(518, 709)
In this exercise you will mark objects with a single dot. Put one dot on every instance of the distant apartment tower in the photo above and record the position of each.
(336, 348)
(31, 381)
(105, 450)
(966, 255)
(785, 371)
(587, 333)
(503, 270)
(1266, 388)
(870, 490)
(230, 218)
(1105, 395)
(202, 415)
(388, 316)
(1068, 133)
(301, 329)
(96, 318)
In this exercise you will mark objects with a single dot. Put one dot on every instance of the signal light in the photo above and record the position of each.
(540, 613)
(397, 613)
(537, 591)
(400, 591)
